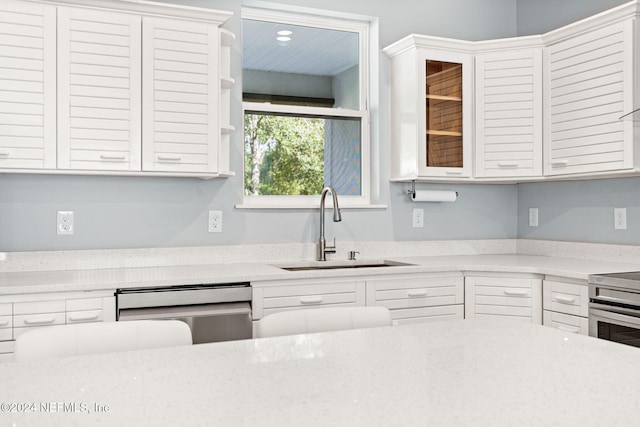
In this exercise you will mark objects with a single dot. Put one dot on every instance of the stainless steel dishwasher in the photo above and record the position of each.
(216, 312)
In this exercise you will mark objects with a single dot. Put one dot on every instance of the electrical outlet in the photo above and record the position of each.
(64, 223)
(533, 217)
(215, 221)
(418, 217)
(620, 218)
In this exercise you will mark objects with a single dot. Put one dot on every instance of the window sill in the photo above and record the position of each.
(306, 206)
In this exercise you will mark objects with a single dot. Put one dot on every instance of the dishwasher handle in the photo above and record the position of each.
(201, 310)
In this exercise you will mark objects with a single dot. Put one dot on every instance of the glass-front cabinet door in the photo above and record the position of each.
(431, 108)
(443, 114)
(445, 148)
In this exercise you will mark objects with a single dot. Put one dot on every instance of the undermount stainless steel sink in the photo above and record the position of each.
(335, 265)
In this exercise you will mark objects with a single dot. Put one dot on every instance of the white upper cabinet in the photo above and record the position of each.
(99, 97)
(591, 83)
(541, 106)
(114, 87)
(431, 108)
(508, 137)
(181, 86)
(27, 85)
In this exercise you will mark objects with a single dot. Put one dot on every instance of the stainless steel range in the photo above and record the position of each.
(614, 307)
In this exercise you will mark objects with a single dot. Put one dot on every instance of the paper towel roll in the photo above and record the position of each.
(434, 196)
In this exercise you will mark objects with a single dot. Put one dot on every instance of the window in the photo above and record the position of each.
(305, 99)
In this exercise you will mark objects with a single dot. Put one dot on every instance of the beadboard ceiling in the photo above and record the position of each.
(311, 50)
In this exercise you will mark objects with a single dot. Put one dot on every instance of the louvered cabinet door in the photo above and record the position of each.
(509, 114)
(590, 83)
(27, 86)
(99, 90)
(181, 95)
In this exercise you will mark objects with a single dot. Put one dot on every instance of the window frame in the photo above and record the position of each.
(362, 28)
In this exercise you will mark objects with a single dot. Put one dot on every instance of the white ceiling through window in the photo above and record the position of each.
(313, 51)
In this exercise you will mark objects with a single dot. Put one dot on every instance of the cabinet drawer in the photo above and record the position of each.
(306, 294)
(84, 316)
(566, 322)
(427, 314)
(39, 319)
(569, 298)
(21, 308)
(310, 300)
(416, 292)
(280, 298)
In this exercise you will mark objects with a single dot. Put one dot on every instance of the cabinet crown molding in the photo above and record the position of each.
(147, 8)
(432, 42)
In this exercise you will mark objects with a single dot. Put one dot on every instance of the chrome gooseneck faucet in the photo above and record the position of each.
(323, 249)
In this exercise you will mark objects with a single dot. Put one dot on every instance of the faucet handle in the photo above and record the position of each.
(331, 249)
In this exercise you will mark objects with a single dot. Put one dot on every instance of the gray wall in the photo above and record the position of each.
(580, 210)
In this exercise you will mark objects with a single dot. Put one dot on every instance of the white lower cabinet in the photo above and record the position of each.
(566, 305)
(410, 297)
(418, 298)
(270, 297)
(22, 313)
(504, 296)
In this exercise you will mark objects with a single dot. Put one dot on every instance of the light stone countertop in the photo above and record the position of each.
(262, 273)
(458, 373)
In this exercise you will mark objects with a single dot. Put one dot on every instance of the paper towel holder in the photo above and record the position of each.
(412, 192)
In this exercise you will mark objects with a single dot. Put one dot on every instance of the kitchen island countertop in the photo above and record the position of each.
(460, 373)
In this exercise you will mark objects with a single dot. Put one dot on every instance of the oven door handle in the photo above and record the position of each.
(601, 311)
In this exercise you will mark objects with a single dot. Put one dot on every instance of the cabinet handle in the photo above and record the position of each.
(517, 292)
(311, 300)
(169, 158)
(4, 154)
(417, 293)
(112, 157)
(508, 165)
(40, 321)
(4, 322)
(83, 317)
(450, 172)
(564, 299)
(559, 163)
(566, 328)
